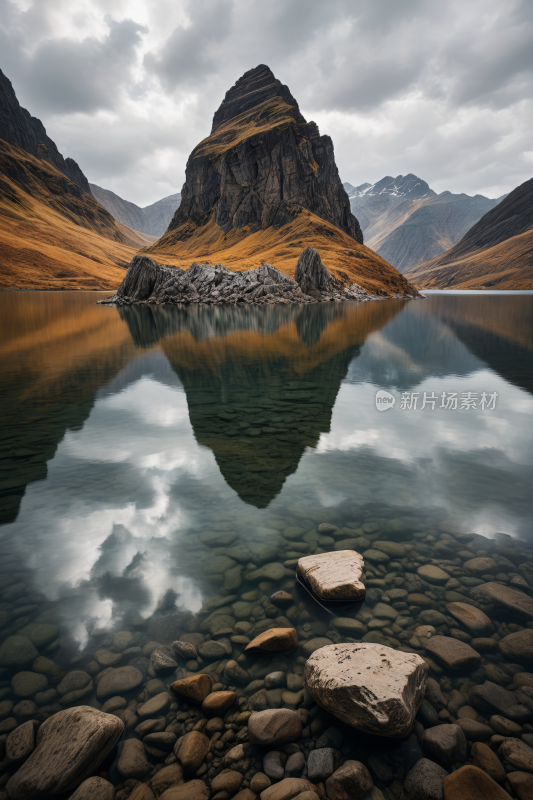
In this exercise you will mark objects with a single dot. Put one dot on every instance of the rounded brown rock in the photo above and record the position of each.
(132, 762)
(521, 784)
(94, 788)
(454, 654)
(118, 681)
(481, 565)
(472, 783)
(352, 781)
(472, 618)
(218, 702)
(287, 789)
(166, 777)
(282, 598)
(274, 726)
(191, 750)
(518, 754)
(433, 574)
(195, 689)
(273, 640)
(227, 781)
(518, 645)
(485, 759)
(192, 790)
(475, 731)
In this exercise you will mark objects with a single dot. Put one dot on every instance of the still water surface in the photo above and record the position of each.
(133, 438)
(123, 430)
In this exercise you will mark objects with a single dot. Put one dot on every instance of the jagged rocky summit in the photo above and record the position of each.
(149, 282)
(261, 163)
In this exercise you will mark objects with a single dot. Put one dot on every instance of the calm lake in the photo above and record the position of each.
(161, 462)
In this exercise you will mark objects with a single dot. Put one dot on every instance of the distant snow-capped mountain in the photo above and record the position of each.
(406, 222)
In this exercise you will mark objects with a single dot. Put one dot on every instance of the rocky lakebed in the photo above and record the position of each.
(417, 685)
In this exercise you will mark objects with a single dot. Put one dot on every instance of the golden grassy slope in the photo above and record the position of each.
(349, 261)
(52, 235)
(507, 265)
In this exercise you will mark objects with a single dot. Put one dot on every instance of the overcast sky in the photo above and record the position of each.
(443, 90)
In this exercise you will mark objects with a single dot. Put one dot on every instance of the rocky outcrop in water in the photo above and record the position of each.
(17, 126)
(147, 281)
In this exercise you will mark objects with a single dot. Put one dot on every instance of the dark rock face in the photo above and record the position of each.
(17, 126)
(260, 165)
(312, 276)
(149, 282)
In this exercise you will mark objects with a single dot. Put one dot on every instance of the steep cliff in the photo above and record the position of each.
(496, 253)
(261, 159)
(17, 126)
(264, 182)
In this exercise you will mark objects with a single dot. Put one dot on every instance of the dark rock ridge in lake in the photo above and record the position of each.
(254, 179)
(17, 126)
(147, 281)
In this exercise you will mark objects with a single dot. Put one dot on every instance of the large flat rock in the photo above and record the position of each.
(371, 687)
(70, 746)
(335, 575)
(511, 599)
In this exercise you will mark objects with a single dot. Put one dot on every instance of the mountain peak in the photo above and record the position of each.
(401, 186)
(18, 127)
(253, 89)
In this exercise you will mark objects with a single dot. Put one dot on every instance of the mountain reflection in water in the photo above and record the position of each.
(260, 387)
(260, 383)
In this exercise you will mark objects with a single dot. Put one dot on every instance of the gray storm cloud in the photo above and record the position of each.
(441, 90)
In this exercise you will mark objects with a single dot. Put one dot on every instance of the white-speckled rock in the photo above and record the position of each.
(335, 575)
(371, 687)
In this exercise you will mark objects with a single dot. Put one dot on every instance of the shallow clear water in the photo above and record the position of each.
(129, 434)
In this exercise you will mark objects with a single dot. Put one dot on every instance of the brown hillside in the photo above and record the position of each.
(52, 234)
(496, 253)
(508, 265)
(264, 186)
(349, 261)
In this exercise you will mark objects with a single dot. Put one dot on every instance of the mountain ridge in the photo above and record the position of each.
(53, 232)
(496, 252)
(152, 220)
(18, 127)
(406, 222)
